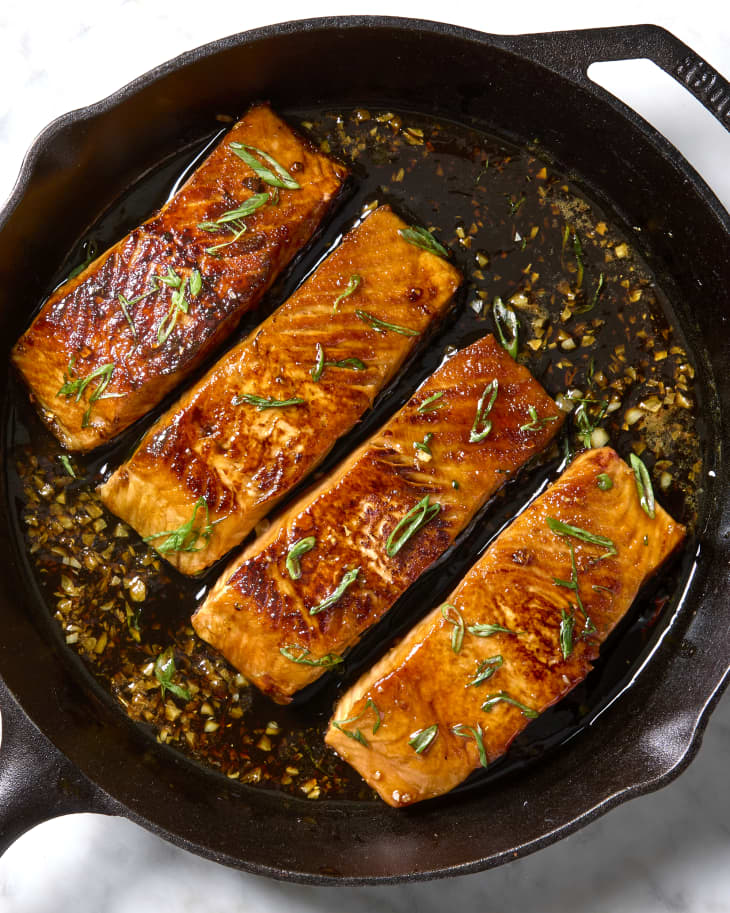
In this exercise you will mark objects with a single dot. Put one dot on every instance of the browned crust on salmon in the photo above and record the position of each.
(256, 609)
(241, 460)
(423, 682)
(83, 327)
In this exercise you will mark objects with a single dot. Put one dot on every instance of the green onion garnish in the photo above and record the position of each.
(348, 579)
(470, 732)
(536, 423)
(164, 672)
(565, 529)
(352, 286)
(178, 305)
(507, 326)
(301, 547)
(485, 670)
(78, 385)
(457, 635)
(430, 403)
(381, 326)
(504, 696)
(643, 485)
(357, 734)
(185, 537)
(125, 304)
(416, 518)
(423, 445)
(482, 425)
(422, 237)
(321, 365)
(567, 623)
(196, 283)
(304, 656)
(484, 630)
(278, 177)
(604, 481)
(266, 402)
(420, 740)
(66, 463)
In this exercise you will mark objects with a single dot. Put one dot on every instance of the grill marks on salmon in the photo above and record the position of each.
(424, 690)
(82, 331)
(314, 352)
(283, 633)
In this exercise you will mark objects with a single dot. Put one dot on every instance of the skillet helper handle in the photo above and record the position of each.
(573, 52)
(37, 782)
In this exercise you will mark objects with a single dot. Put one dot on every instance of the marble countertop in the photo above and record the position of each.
(668, 851)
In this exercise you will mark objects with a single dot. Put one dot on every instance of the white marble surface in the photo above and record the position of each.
(666, 852)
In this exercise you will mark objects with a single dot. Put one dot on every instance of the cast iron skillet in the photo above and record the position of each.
(65, 750)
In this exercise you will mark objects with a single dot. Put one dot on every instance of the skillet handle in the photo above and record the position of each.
(37, 782)
(572, 53)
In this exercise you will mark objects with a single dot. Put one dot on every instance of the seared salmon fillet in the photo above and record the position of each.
(109, 344)
(518, 633)
(337, 560)
(269, 411)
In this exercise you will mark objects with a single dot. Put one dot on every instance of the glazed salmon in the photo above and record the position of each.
(332, 566)
(518, 633)
(109, 344)
(269, 411)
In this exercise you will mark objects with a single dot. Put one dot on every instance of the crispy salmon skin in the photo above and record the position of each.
(109, 344)
(518, 633)
(337, 560)
(269, 411)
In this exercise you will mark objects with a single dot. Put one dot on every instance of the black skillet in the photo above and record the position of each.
(64, 750)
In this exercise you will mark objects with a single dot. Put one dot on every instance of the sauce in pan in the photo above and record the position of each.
(594, 328)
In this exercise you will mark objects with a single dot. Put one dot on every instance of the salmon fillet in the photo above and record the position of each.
(109, 344)
(235, 459)
(387, 513)
(454, 693)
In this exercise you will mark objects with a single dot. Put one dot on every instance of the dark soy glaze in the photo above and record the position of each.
(503, 212)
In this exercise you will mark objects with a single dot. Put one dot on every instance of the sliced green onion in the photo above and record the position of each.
(304, 656)
(301, 547)
(457, 635)
(482, 425)
(66, 463)
(347, 580)
(643, 485)
(78, 385)
(485, 670)
(470, 732)
(381, 326)
(422, 237)
(484, 630)
(352, 286)
(504, 696)
(565, 529)
(416, 518)
(357, 734)
(266, 402)
(164, 669)
(567, 623)
(536, 423)
(278, 177)
(185, 537)
(320, 365)
(423, 445)
(429, 404)
(196, 283)
(420, 740)
(507, 326)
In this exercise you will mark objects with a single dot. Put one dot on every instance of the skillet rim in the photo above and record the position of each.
(509, 44)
